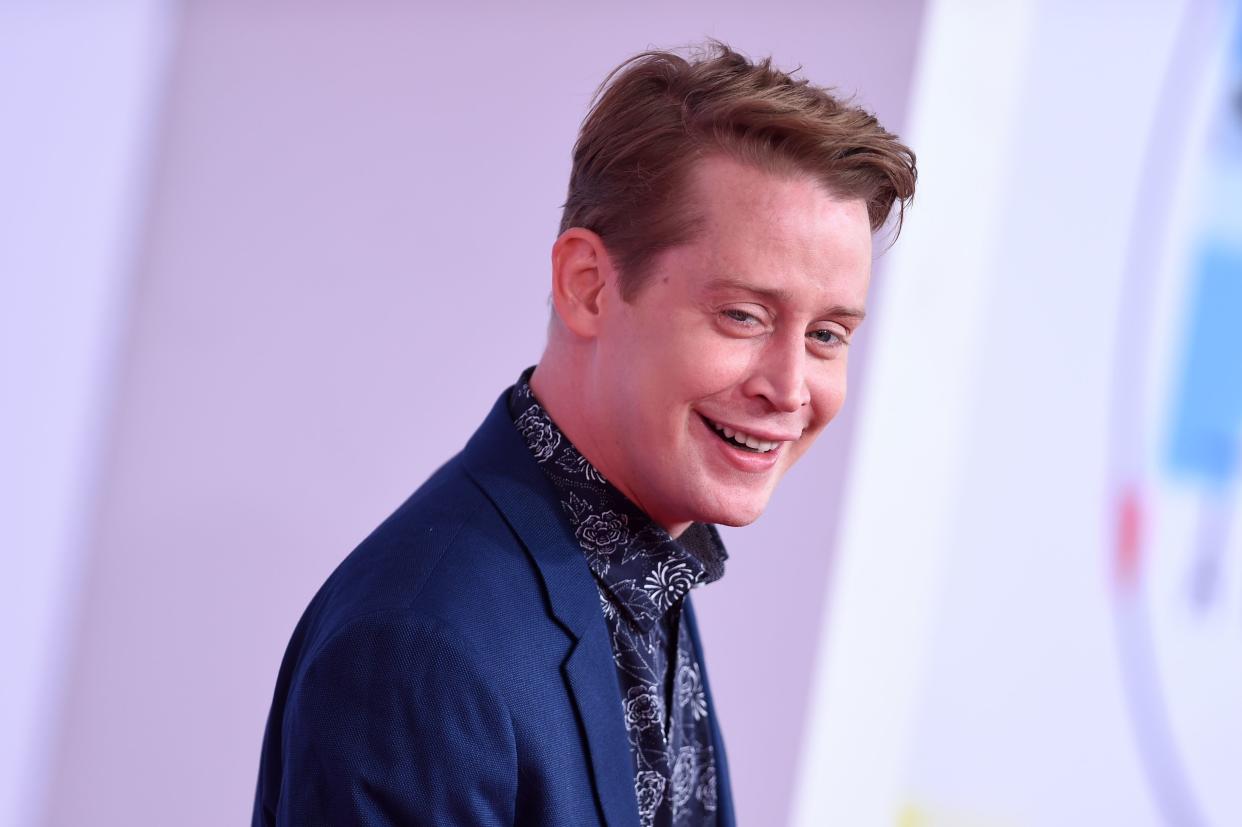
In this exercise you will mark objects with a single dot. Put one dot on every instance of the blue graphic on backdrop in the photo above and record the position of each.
(1207, 425)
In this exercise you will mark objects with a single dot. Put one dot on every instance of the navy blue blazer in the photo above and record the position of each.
(456, 668)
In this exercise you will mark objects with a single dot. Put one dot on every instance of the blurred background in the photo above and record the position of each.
(264, 266)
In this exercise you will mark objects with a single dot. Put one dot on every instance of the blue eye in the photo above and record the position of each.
(741, 317)
(827, 337)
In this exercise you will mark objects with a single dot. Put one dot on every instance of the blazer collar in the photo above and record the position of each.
(498, 460)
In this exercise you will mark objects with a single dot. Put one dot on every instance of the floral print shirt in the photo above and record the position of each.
(643, 576)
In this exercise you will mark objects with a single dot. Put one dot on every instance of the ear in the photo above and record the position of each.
(581, 269)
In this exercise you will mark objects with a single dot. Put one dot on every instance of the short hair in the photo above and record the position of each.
(658, 113)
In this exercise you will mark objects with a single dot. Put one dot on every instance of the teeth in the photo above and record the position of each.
(752, 442)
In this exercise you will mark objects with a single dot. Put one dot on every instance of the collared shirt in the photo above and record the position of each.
(643, 576)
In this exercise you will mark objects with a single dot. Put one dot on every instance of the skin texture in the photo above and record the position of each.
(747, 325)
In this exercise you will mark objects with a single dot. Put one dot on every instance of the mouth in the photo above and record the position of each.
(740, 439)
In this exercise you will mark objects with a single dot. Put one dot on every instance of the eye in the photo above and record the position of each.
(828, 337)
(740, 317)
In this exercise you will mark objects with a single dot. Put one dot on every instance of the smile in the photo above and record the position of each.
(740, 439)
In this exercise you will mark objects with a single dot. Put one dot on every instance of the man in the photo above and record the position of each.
(516, 644)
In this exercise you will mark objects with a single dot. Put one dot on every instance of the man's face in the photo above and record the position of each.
(740, 334)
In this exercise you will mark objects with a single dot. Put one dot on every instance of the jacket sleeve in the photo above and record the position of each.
(393, 721)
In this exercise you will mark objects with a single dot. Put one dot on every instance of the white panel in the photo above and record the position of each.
(79, 84)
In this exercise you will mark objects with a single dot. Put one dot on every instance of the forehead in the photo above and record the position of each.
(778, 227)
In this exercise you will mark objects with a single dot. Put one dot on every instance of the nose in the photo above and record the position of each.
(779, 373)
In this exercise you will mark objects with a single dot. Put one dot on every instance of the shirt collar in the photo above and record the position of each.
(643, 571)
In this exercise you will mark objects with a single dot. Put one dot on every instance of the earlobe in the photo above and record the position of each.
(581, 268)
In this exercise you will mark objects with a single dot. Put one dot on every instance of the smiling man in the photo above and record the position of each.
(516, 644)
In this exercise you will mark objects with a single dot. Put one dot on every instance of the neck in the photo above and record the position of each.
(564, 389)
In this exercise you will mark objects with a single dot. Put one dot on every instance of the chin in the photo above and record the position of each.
(737, 513)
(734, 520)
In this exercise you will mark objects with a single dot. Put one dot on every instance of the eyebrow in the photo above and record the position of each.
(782, 296)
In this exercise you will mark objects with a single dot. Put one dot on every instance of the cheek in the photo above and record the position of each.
(828, 394)
(827, 397)
(700, 363)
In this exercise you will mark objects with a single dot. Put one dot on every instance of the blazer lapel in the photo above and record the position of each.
(498, 460)
(599, 704)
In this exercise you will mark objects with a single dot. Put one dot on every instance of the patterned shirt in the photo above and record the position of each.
(643, 576)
